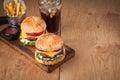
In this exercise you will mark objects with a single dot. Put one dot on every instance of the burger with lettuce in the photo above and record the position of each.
(31, 28)
(49, 49)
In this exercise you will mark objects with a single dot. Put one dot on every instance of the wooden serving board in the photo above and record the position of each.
(28, 52)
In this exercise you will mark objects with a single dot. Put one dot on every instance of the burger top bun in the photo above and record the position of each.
(33, 25)
(49, 42)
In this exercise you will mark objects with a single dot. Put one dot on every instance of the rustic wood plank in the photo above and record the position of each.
(92, 28)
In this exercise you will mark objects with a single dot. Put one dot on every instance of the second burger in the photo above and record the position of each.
(49, 49)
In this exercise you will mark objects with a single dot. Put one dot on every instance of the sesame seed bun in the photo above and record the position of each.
(49, 42)
(33, 24)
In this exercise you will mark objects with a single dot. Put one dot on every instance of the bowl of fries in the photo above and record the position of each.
(15, 9)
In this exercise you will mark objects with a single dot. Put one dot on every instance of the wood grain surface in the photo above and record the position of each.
(91, 27)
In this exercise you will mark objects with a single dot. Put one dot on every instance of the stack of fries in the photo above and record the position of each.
(14, 9)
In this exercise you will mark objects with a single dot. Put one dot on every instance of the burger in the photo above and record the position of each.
(49, 49)
(31, 28)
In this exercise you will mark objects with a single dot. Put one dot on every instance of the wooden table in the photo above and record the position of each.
(91, 27)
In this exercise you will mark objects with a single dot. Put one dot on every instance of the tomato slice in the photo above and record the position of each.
(35, 34)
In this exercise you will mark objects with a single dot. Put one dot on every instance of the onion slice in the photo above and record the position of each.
(59, 50)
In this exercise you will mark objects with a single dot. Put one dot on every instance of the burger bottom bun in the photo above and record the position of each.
(53, 62)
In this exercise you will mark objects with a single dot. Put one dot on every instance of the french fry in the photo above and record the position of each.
(16, 1)
(14, 9)
(22, 10)
(17, 9)
(9, 7)
(19, 14)
(10, 4)
(7, 11)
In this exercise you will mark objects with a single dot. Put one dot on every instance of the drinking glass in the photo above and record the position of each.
(50, 11)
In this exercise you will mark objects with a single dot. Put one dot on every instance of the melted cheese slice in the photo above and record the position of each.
(23, 35)
(51, 54)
